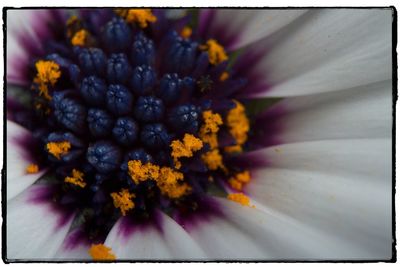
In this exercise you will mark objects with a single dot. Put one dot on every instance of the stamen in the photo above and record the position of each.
(240, 198)
(48, 73)
(32, 168)
(239, 126)
(235, 184)
(123, 201)
(140, 16)
(76, 179)
(224, 76)
(239, 180)
(58, 149)
(186, 148)
(169, 183)
(101, 252)
(243, 177)
(216, 52)
(141, 172)
(213, 160)
(209, 129)
(80, 38)
(186, 32)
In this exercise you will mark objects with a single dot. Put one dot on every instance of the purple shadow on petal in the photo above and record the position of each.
(129, 225)
(245, 67)
(208, 29)
(207, 210)
(76, 238)
(29, 144)
(44, 195)
(266, 128)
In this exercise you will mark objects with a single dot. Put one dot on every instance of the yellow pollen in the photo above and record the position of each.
(233, 149)
(57, 149)
(213, 160)
(211, 122)
(76, 179)
(186, 148)
(216, 52)
(32, 168)
(80, 38)
(224, 76)
(140, 172)
(101, 252)
(123, 201)
(171, 183)
(239, 180)
(209, 129)
(243, 177)
(186, 32)
(140, 16)
(240, 198)
(239, 126)
(48, 73)
(235, 184)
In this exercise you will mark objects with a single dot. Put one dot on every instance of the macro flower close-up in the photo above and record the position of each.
(198, 134)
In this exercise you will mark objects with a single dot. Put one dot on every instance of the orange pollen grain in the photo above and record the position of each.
(101, 252)
(32, 168)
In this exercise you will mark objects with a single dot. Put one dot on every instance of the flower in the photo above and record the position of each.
(209, 134)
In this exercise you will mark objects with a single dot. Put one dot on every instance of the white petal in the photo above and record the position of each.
(327, 50)
(18, 158)
(363, 112)
(35, 230)
(30, 24)
(246, 233)
(74, 248)
(251, 25)
(341, 188)
(169, 241)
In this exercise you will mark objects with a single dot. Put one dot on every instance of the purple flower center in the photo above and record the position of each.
(130, 119)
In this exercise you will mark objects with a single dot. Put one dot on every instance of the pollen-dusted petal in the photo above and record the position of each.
(76, 178)
(32, 168)
(216, 52)
(57, 149)
(186, 148)
(140, 172)
(140, 16)
(101, 252)
(240, 198)
(123, 200)
(170, 183)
